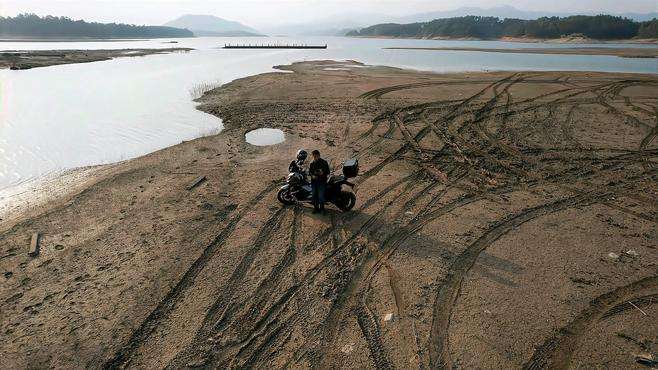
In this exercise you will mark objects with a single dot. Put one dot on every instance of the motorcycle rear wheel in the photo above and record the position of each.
(347, 201)
(285, 197)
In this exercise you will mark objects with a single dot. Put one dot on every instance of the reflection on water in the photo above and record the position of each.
(60, 117)
(265, 137)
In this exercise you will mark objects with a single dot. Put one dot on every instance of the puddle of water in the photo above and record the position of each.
(265, 136)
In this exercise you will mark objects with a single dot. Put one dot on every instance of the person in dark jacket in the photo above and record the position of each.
(297, 165)
(319, 170)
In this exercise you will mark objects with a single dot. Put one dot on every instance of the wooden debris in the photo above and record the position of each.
(34, 245)
(646, 359)
(638, 308)
(196, 182)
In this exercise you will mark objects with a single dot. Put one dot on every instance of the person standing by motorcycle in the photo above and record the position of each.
(297, 165)
(319, 170)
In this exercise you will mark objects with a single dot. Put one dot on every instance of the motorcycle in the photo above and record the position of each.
(298, 188)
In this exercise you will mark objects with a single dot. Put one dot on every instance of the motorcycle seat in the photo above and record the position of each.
(335, 178)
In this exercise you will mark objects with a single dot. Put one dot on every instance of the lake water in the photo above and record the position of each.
(61, 117)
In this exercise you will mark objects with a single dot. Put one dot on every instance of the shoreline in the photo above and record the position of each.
(67, 40)
(474, 190)
(81, 39)
(618, 52)
(29, 199)
(28, 59)
(522, 40)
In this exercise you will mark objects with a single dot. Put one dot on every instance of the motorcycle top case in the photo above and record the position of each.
(351, 168)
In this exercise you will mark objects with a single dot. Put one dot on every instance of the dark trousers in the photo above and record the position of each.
(319, 188)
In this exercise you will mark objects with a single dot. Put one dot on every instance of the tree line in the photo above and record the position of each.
(31, 25)
(603, 27)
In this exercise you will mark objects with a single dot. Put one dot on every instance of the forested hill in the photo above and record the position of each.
(601, 27)
(33, 26)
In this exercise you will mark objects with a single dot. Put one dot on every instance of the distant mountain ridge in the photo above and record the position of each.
(601, 27)
(210, 25)
(337, 24)
(508, 11)
(33, 26)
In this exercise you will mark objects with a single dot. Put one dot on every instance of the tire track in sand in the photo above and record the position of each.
(123, 356)
(224, 306)
(439, 356)
(556, 352)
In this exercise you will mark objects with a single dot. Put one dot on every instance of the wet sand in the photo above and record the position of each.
(18, 60)
(503, 220)
(619, 52)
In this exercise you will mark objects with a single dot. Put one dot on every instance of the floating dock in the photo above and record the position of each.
(275, 46)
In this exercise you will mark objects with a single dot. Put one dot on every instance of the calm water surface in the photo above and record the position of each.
(61, 117)
(265, 137)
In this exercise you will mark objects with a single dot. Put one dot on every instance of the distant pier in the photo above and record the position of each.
(275, 46)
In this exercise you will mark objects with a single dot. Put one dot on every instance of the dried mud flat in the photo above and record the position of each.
(488, 208)
(29, 59)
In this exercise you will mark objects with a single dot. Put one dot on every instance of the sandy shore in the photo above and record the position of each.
(563, 40)
(31, 198)
(619, 52)
(503, 220)
(44, 58)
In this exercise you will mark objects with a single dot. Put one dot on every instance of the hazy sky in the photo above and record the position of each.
(269, 12)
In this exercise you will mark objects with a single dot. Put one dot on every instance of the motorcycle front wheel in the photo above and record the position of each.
(285, 197)
(347, 200)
